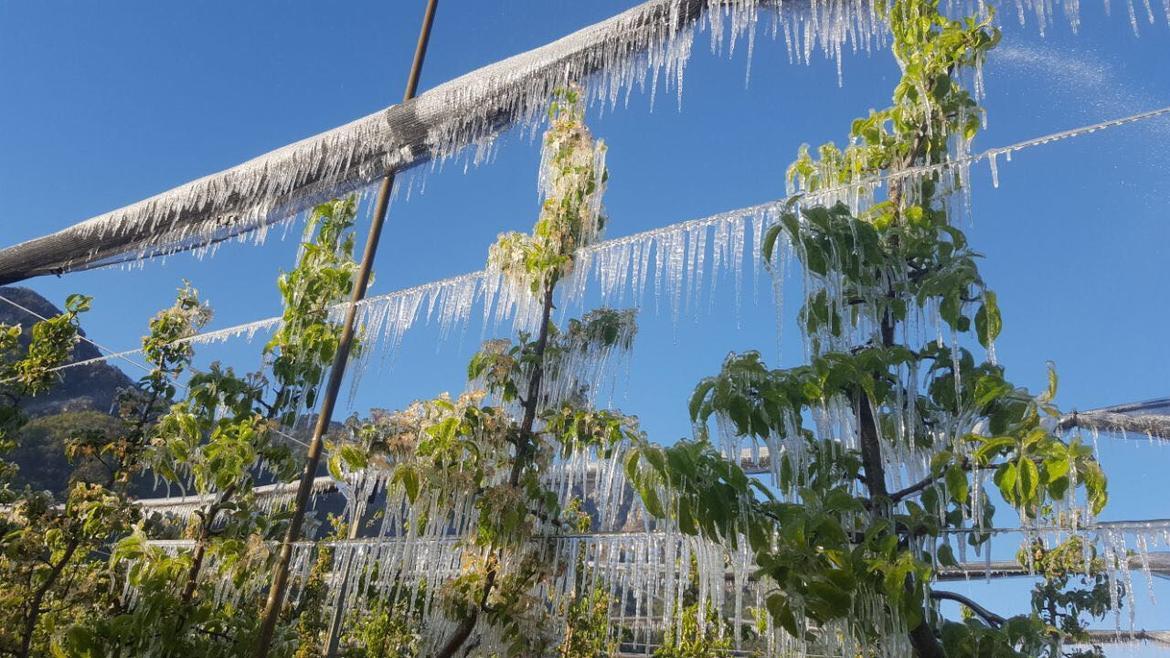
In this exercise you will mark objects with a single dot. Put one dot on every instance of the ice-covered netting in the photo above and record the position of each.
(679, 264)
(645, 566)
(675, 262)
(645, 571)
(1118, 544)
(1121, 548)
(644, 47)
(1149, 426)
(646, 575)
(271, 498)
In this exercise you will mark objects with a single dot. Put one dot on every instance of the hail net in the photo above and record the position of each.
(646, 47)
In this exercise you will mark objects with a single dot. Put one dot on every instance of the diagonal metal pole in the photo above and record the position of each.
(313, 459)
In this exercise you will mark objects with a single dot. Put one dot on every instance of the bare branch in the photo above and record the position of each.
(987, 615)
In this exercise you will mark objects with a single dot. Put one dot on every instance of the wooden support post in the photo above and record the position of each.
(279, 582)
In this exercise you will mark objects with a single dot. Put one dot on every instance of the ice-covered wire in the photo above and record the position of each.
(110, 354)
(647, 46)
(250, 328)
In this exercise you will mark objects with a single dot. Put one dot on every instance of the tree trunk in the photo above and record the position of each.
(201, 544)
(38, 598)
(523, 447)
(922, 637)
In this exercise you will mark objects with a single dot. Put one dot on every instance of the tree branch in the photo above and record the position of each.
(987, 615)
(922, 484)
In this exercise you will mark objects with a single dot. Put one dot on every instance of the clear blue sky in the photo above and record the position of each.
(107, 103)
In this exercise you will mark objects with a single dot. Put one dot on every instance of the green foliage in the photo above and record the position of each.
(48, 583)
(304, 345)
(25, 373)
(215, 442)
(862, 558)
(573, 178)
(587, 633)
(1074, 585)
(311, 614)
(846, 557)
(698, 630)
(384, 631)
(527, 409)
(689, 640)
(51, 344)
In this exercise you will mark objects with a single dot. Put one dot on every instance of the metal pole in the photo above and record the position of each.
(313, 458)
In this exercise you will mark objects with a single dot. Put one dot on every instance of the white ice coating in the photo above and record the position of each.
(642, 47)
(270, 498)
(671, 262)
(835, 418)
(1126, 546)
(624, 266)
(644, 570)
(644, 565)
(234, 581)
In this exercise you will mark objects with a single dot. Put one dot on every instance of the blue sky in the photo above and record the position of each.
(108, 103)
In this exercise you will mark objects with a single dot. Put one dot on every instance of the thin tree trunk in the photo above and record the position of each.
(38, 598)
(922, 637)
(523, 447)
(193, 573)
(201, 546)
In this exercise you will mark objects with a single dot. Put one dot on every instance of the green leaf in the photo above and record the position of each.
(650, 499)
(409, 478)
(334, 467)
(782, 614)
(686, 521)
(1095, 485)
(957, 484)
(993, 447)
(988, 322)
(353, 457)
(1050, 394)
(1029, 480)
(770, 242)
(1056, 467)
(837, 601)
(946, 556)
(699, 396)
(1005, 478)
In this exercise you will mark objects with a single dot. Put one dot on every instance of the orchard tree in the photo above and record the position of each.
(39, 540)
(493, 448)
(850, 553)
(218, 442)
(51, 580)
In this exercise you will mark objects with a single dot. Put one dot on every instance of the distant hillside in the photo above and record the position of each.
(89, 387)
(80, 402)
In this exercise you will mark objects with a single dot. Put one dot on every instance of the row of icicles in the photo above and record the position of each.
(642, 48)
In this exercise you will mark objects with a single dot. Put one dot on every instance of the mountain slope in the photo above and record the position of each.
(93, 386)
